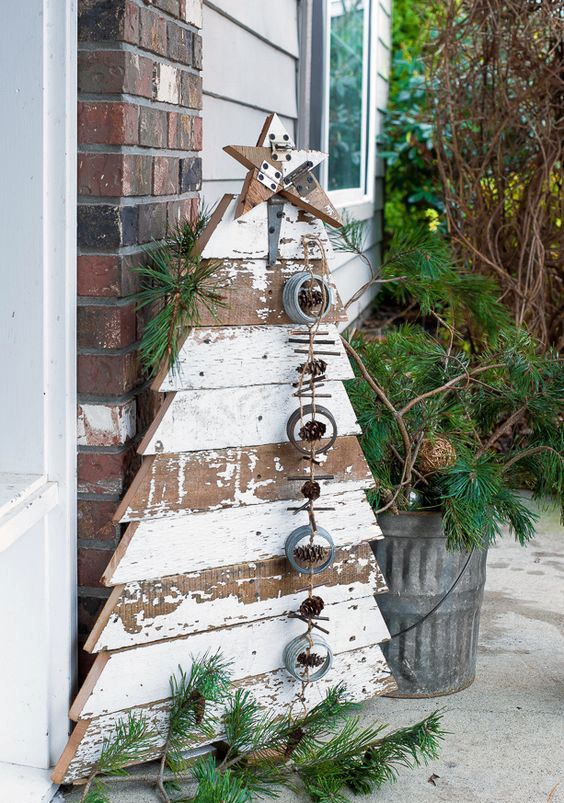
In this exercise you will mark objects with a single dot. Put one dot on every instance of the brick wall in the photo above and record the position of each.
(139, 171)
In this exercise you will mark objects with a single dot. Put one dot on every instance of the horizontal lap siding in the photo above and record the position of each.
(250, 63)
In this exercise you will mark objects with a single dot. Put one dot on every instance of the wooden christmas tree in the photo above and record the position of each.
(231, 543)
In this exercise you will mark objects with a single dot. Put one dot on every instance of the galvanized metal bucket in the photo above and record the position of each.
(438, 656)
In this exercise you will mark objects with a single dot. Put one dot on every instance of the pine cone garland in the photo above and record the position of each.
(310, 297)
(312, 606)
(435, 454)
(312, 431)
(311, 489)
(294, 739)
(310, 659)
(310, 554)
(198, 702)
(315, 367)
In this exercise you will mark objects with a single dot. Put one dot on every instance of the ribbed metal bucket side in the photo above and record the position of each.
(439, 655)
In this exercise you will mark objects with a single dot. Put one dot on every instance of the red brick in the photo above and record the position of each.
(152, 127)
(170, 6)
(106, 327)
(179, 44)
(103, 374)
(180, 131)
(197, 52)
(197, 139)
(152, 32)
(95, 520)
(91, 566)
(152, 221)
(131, 24)
(89, 609)
(105, 472)
(165, 175)
(103, 275)
(179, 211)
(115, 71)
(108, 123)
(190, 90)
(100, 174)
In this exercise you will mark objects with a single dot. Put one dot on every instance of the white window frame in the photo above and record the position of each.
(358, 199)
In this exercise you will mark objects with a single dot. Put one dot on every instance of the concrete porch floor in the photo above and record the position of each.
(506, 732)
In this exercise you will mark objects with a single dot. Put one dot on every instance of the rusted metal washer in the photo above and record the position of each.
(291, 295)
(320, 414)
(298, 535)
(301, 644)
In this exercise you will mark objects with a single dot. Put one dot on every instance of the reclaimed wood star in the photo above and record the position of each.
(276, 166)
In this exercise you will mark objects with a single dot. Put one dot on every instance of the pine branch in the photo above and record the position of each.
(176, 285)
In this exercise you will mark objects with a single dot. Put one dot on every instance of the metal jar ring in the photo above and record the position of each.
(298, 535)
(291, 292)
(300, 644)
(296, 418)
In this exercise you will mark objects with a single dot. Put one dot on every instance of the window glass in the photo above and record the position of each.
(348, 21)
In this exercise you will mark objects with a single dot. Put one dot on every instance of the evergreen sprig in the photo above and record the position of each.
(176, 285)
(498, 410)
(323, 751)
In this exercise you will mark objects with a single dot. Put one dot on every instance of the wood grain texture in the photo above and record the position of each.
(153, 610)
(246, 237)
(140, 675)
(252, 293)
(241, 356)
(218, 418)
(365, 671)
(171, 483)
(163, 547)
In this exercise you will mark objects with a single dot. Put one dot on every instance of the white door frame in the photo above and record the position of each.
(38, 53)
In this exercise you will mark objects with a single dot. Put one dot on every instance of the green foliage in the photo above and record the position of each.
(176, 284)
(418, 267)
(323, 751)
(413, 194)
(508, 386)
(208, 682)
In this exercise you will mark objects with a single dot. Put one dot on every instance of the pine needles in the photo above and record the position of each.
(324, 752)
(176, 285)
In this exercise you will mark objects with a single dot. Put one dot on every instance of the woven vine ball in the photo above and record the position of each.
(435, 454)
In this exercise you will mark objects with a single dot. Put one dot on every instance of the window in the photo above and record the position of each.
(349, 108)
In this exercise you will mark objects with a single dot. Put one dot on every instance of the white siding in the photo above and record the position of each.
(251, 59)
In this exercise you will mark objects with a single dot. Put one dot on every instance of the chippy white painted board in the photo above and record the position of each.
(142, 612)
(141, 675)
(246, 237)
(364, 670)
(183, 543)
(215, 419)
(171, 483)
(239, 356)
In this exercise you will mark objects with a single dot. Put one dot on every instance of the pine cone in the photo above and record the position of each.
(310, 297)
(311, 489)
(294, 739)
(199, 704)
(309, 659)
(312, 606)
(312, 431)
(315, 367)
(310, 554)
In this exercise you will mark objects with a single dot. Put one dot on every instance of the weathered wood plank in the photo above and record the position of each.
(139, 675)
(240, 356)
(162, 547)
(248, 416)
(365, 670)
(153, 610)
(246, 237)
(190, 481)
(252, 293)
